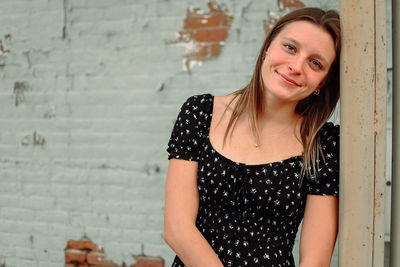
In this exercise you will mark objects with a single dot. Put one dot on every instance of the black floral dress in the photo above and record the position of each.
(249, 214)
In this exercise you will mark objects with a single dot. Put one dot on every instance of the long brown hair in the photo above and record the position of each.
(315, 109)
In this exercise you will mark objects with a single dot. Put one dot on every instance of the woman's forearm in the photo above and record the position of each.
(191, 247)
(310, 264)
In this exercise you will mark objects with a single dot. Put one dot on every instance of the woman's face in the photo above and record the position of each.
(297, 61)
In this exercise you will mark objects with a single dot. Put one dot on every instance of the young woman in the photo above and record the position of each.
(245, 169)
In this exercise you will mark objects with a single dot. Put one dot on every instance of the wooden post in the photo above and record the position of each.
(363, 133)
(395, 204)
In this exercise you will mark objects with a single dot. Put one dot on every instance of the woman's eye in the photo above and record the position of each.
(316, 64)
(289, 47)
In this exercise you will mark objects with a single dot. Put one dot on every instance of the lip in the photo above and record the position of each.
(287, 79)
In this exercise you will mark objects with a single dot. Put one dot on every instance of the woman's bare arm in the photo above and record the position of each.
(181, 207)
(319, 231)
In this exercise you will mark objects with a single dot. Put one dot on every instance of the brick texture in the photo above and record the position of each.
(86, 253)
(204, 34)
(75, 256)
(84, 245)
(143, 261)
(98, 259)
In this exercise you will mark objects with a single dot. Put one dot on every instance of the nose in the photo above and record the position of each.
(296, 66)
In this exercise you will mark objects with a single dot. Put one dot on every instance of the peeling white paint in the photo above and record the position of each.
(188, 64)
(197, 52)
(272, 19)
(191, 48)
(274, 15)
(196, 10)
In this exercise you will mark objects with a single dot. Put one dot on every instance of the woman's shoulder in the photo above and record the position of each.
(329, 129)
(190, 128)
(330, 137)
(224, 103)
(197, 105)
(199, 99)
(221, 100)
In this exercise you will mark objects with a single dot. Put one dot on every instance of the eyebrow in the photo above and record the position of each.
(299, 45)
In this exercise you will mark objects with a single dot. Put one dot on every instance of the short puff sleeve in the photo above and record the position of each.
(327, 182)
(189, 130)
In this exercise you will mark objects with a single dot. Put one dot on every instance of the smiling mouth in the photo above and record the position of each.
(287, 79)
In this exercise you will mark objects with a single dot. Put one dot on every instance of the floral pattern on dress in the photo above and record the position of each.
(249, 214)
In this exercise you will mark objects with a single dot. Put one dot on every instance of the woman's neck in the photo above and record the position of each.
(278, 113)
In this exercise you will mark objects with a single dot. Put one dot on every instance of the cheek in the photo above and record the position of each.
(264, 68)
(273, 59)
(321, 80)
(315, 78)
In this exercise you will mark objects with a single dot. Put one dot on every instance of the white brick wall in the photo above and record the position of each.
(103, 91)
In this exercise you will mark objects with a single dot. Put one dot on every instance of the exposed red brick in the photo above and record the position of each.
(204, 34)
(209, 35)
(215, 49)
(291, 4)
(202, 22)
(145, 261)
(226, 21)
(75, 256)
(98, 259)
(84, 244)
(83, 257)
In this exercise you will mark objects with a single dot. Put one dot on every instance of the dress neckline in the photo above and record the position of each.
(285, 160)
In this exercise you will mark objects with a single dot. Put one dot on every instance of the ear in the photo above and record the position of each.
(264, 55)
(266, 52)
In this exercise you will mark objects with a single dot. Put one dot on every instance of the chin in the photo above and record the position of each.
(280, 92)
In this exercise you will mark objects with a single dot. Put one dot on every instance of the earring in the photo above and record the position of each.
(316, 92)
